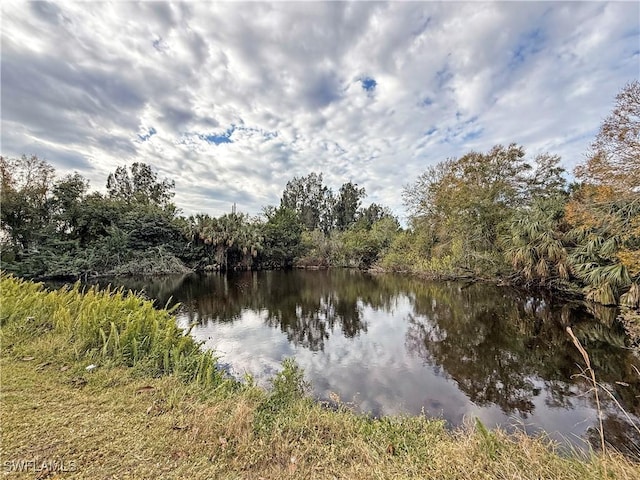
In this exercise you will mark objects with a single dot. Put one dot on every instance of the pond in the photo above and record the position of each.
(390, 344)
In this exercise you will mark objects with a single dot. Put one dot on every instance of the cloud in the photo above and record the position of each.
(232, 100)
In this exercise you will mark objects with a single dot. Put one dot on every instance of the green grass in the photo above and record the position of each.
(139, 416)
(104, 327)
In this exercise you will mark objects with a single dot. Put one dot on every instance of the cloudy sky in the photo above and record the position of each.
(232, 100)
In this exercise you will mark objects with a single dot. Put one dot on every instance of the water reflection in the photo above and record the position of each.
(306, 308)
(396, 344)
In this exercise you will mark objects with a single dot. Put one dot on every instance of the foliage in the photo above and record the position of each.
(495, 214)
(606, 231)
(403, 254)
(362, 244)
(346, 205)
(282, 237)
(141, 186)
(604, 211)
(319, 209)
(66, 203)
(105, 326)
(230, 241)
(153, 261)
(289, 387)
(311, 200)
(53, 228)
(465, 205)
(615, 154)
(535, 242)
(25, 198)
(317, 249)
(373, 213)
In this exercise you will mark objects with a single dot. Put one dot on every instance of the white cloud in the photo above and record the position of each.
(82, 82)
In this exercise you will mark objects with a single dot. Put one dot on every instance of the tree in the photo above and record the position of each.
(141, 186)
(282, 236)
(147, 229)
(421, 197)
(463, 206)
(467, 202)
(68, 195)
(535, 242)
(546, 181)
(615, 154)
(311, 200)
(347, 204)
(362, 245)
(606, 235)
(604, 212)
(96, 215)
(234, 239)
(26, 184)
(373, 213)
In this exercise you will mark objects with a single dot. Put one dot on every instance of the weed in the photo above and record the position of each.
(489, 441)
(289, 387)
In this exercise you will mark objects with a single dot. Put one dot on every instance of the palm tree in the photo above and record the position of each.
(606, 232)
(250, 241)
(594, 262)
(535, 244)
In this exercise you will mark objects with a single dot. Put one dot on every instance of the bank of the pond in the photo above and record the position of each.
(98, 385)
(629, 317)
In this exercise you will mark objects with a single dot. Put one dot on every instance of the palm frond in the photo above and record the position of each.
(603, 294)
(632, 297)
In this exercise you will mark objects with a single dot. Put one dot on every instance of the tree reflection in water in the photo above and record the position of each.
(308, 309)
(500, 352)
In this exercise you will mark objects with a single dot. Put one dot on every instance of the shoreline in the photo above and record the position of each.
(568, 294)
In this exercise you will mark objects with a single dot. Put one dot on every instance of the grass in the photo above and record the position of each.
(134, 418)
(103, 326)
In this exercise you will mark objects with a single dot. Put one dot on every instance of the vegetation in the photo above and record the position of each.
(55, 228)
(79, 403)
(464, 207)
(495, 214)
(101, 326)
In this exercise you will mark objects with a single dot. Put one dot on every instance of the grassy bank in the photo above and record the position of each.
(144, 413)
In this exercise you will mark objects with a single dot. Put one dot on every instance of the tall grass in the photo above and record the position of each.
(102, 326)
(589, 375)
(592, 378)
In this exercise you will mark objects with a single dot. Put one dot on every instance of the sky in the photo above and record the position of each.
(231, 100)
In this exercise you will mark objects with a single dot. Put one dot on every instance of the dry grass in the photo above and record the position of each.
(121, 422)
(118, 426)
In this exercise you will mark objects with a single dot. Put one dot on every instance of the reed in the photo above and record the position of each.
(589, 374)
(592, 378)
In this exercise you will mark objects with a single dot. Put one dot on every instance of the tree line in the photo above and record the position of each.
(55, 227)
(494, 214)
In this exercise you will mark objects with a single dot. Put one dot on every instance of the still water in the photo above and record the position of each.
(389, 344)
